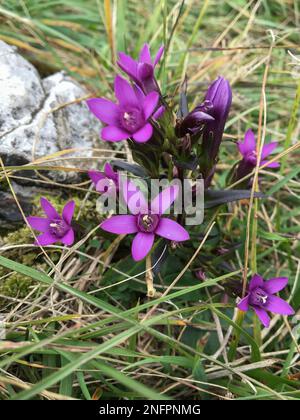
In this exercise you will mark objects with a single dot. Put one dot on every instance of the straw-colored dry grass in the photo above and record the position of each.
(80, 325)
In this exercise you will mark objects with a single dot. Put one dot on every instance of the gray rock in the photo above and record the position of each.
(10, 214)
(41, 117)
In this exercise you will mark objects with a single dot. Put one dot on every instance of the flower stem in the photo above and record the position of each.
(149, 277)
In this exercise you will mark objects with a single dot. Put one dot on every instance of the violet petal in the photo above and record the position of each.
(38, 223)
(158, 55)
(275, 285)
(145, 56)
(263, 316)
(113, 134)
(96, 176)
(49, 209)
(104, 110)
(244, 304)
(68, 212)
(69, 238)
(128, 65)
(134, 198)
(124, 92)
(172, 230)
(150, 103)
(120, 225)
(163, 201)
(249, 144)
(143, 134)
(278, 306)
(268, 149)
(46, 239)
(141, 245)
(256, 281)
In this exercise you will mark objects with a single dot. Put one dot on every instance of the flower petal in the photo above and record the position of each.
(244, 304)
(256, 281)
(143, 134)
(141, 245)
(271, 165)
(150, 103)
(263, 316)
(38, 223)
(96, 176)
(124, 92)
(109, 172)
(120, 225)
(275, 285)
(145, 56)
(107, 186)
(46, 239)
(163, 201)
(68, 239)
(128, 65)
(111, 133)
(139, 93)
(249, 144)
(49, 209)
(158, 55)
(159, 112)
(278, 306)
(172, 230)
(68, 212)
(134, 198)
(268, 149)
(104, 110)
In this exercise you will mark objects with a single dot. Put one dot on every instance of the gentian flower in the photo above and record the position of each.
(194, 120)
(247, 149)
(129, 118)
(219, 96)
(146, 221)
(141, 71)
(55, 228)
(109, 175)
(262, 298)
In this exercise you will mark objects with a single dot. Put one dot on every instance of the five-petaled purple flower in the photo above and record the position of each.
(141, 71)
(146, 221)
(248, 150)
(106, 181)
(129, 118)
(262, 298)
(55, 228)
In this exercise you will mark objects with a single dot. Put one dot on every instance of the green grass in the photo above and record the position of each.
(85, 328)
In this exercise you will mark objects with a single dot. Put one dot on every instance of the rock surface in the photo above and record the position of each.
(41, 117)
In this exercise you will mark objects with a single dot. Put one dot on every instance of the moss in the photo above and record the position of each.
(17, 237)
(14, 284)
(17, 285)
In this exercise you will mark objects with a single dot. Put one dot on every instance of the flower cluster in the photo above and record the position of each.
(167, 142)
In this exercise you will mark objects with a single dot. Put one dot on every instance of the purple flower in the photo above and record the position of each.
(262, 298)
(141, 71)
(194, 120)
(146, 221)
(219, 96)
(129, 118)
(247, 149)
(55, 228)
(107, 181)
